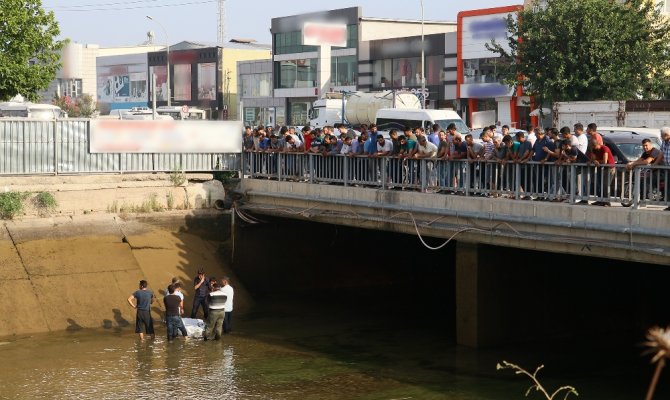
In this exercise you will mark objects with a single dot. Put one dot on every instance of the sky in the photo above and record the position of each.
(123, 22)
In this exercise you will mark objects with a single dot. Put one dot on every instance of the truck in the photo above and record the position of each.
(629, 113)
(357, 108)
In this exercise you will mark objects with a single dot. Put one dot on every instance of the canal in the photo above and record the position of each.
(342, 313)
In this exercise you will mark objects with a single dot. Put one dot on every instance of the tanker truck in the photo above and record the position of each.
(358, 108)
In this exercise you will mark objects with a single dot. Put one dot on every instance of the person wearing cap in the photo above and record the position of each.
(200, 286)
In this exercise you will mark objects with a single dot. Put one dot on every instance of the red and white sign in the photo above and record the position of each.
(321, 34)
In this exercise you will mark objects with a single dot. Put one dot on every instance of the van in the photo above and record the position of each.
(398, 119)
(25, 109)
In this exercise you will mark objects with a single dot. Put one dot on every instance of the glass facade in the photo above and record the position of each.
(406, 72)
(343, 71)
(256, 85)
(255, 116)
(296, 73)
(482, 70)
(291, 42)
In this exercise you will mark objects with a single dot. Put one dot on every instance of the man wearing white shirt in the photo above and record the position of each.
(228, 291)
(582, 140)
(384, 147)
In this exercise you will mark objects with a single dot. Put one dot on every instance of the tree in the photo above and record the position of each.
(29, 53)
(588, 50)
(83, 106)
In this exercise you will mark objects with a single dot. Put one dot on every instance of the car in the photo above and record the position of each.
(626, 143)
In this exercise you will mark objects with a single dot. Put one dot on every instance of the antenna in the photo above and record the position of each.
(221, 31)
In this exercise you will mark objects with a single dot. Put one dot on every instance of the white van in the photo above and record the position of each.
(26, 109)
(395, 118)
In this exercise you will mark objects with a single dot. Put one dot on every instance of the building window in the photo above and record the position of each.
(343, 70)
(482, 70)
(291, 42)
(406, 72)
(299, 73)
(70, 87)
(256, 85)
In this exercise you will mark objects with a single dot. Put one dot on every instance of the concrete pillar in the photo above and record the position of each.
(323, 70)
(486, 313)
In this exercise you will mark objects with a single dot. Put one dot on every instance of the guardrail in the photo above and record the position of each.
(34, 147)
(571, 183)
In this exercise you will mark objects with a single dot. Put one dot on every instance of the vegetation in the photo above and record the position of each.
(11, 204)
(537, 386)
(169, 198)
(83, 106)
(587, 50)
(29, 53)
(177, 176)
(45, 202)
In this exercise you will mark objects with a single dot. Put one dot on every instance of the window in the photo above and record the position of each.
(256, 85)
(70, 87)
(291, 42)
(406, 72)
(343, 71)
(482, 70)
(296, 73)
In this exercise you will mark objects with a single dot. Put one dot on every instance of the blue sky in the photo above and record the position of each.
(123, 22)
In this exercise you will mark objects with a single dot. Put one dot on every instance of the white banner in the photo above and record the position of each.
(165, 136)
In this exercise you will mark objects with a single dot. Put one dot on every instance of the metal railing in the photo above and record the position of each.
(570, 183)
(33, 147)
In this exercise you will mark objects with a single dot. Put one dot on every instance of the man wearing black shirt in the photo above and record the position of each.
(201, 287)
(173, 307)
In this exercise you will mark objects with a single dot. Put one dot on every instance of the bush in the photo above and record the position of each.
(177, 176)
(45, 202)
(11, 204)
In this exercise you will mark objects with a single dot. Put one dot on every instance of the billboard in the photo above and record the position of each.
(161, 81)
(165, 136)
(323, 34)
(207, 81)
(182, 82)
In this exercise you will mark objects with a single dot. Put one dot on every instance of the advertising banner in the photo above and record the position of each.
(165, 136)
(182, 82)
(207, 81)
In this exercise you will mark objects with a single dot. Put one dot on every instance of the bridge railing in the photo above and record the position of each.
(34, 147)
(571, 183)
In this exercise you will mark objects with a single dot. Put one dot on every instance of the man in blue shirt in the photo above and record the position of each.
(543, 148)
(143, 299)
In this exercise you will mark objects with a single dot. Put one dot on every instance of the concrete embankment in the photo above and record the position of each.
(68, 273)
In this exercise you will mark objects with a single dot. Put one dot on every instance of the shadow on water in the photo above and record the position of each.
(73, 326)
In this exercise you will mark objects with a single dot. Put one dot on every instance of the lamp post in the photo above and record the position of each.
(423, 64)
(167, 47)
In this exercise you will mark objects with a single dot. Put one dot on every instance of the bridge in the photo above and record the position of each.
(478, 205)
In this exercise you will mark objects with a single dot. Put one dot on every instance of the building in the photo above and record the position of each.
(484, 98)
(257, 105)
(203, 75)
(302, 73)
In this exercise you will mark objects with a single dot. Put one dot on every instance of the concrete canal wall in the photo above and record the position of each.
(73, 272)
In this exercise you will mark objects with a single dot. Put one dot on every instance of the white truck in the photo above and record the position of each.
(630, 113)
(358, 108)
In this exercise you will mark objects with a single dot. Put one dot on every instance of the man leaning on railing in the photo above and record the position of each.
(665, 150)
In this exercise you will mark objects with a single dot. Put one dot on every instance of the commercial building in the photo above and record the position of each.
(302, 73)
(202, 75)
(257, 104)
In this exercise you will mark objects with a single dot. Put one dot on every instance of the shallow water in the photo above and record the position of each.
(293, 351)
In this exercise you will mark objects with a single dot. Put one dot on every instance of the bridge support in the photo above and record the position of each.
(484, 308)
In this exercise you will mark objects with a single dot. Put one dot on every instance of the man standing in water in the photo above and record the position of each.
(173, 311)
(201, 287)
(143, 299)
(217, 304)
(227, 290)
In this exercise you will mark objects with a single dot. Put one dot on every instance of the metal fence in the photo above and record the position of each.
(571, 183)
(33, 147)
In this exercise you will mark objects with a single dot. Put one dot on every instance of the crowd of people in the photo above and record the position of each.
(551, 145)
(214, 296)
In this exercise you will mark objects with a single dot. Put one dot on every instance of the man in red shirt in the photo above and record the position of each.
(592, 132)
(601, 156)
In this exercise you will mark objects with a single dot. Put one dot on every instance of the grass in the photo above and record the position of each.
(177, 176)
(169, 198)
(11, 204)
(147, 206)
(45, 202)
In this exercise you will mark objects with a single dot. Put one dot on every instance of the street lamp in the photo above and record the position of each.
(167, 47)
(423, 64)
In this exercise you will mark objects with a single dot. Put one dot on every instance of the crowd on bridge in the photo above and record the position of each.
(456, 161)
(214, 296)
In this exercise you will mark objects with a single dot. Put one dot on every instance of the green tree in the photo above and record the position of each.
(588, 50)
(29, 52)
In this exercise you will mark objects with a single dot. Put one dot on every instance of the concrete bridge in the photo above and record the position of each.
(477, 224)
